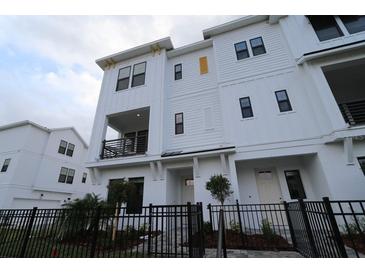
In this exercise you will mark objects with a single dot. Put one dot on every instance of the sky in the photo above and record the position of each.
(47, 63)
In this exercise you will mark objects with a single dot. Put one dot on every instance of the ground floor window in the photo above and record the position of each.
(362, 163)
(295, 184)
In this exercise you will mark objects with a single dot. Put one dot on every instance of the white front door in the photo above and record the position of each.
(268, 186)
(187, 191)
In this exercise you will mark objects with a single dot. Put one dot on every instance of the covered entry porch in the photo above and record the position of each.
(278, 179)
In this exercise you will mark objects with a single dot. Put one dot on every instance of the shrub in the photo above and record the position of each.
(219, 187)
(353, 228)
(235, 227)
(267, 230)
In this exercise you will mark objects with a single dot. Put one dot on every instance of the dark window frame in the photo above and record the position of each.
(244, 116)
(292, 196)
(84, 177)
(62, 149)
(62, 177)
(362, 165)
(123, 79)
(69, 151)
(287, 101)
(70, 181)
(348, 25)
(253, 48)
(238, 52)
(321, 37)
(177, 132)
(6, 164)
(136, 75)
(134, 204)
(178, 74)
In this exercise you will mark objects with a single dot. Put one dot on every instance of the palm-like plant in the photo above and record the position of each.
(219, 187)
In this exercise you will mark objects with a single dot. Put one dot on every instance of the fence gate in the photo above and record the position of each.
(315, 231)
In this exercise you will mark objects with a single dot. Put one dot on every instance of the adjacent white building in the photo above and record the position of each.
(41, 167)
(275, 103)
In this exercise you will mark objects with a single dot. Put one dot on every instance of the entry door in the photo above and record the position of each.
(187, 191)
(268, 186)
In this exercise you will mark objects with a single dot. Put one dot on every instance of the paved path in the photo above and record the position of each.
(235, 253)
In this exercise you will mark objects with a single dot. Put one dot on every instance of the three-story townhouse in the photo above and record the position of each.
(262, 100)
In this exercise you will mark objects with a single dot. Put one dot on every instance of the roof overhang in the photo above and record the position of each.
(190, 48)
(239, 23)
(164, 43)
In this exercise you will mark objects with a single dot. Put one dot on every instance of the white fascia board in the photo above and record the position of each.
(190, 48)
(329, 52)
(24, 123)
(164, 43)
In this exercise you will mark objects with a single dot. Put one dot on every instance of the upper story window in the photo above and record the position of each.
(84, 176)
(123, 78)
(203, 62)
(241, 50)
(283, 101)
(246, 108)
(5, 165)
(178, 71)
(179, 123)
(139, 74)
(325, 27)
(70, 149)
(257, 45)
(353, 23)
(66, 175)
(62, 147)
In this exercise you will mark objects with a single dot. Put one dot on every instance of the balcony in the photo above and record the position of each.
(353, 112)
(126, 134)
(123, 147)
(347, 83)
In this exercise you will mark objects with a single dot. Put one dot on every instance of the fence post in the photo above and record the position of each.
(334, 226)
(240, 223)
(190, 231)
(308, 228)
(149, 231)
(290, 224)
(95, 235)
(210, 215)
(27, 233)
(201, 227)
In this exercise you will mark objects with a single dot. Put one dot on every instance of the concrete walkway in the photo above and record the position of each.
(235, 253)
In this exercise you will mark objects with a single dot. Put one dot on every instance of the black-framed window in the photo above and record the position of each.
(325, 27)
(257, 46)
(5, 166)
(62, 147)
(295, 184)
(246, 108)
(70, 176)
(179, 123)
(70, 149)
(353, 23)
(63, 175)
(283, 100)
(123, 78)
(178, 71)
(362, 163)
(135, 197)
(84, 176)
(139, 74)
(241, 50)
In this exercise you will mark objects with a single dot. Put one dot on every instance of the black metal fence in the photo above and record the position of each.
(324, 229)
(158, 231)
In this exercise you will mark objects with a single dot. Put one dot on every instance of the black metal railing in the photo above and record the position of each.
(353, 112)
(124, 147)
(251, 226)
(158, 231)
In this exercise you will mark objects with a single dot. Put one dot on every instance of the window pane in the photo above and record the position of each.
(135, 198)
(123, 84)
(241, 46)
(124, 73)
(354, 23)
(139, 68)
(256, 42)
(247, 112)
(245, 102)
(70, 176)
(281, 95)
(138, 80)
(241, 50)
(325, 27)
(295, 184)
(179, 118)
(258, 50)
(246, 107)
(362, 163)
(179, 129)
(242, 55)
(63, 174)
(62, 147)
(84, 176)
(70, 149)
(5, 165)
(178, 68)
(284, 106)
(178, 72)
(257, 45)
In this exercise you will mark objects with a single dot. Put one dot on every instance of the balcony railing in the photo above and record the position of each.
(124, 147)
(353, 112)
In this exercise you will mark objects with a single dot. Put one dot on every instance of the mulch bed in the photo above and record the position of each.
(254, 241)
(356, 242)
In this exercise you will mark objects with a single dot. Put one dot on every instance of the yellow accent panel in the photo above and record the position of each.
(203, 61)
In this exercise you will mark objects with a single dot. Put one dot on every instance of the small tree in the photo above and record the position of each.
(219, 187)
